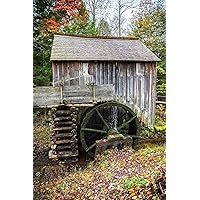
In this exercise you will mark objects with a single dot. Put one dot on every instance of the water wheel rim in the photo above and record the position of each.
(95, 109)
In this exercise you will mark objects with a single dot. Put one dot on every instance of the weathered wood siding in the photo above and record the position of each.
(134, 83)
(51, 96)
(74, 73)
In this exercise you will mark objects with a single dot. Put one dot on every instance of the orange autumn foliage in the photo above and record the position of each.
(71, 7)
(52, 26)
(67, 10)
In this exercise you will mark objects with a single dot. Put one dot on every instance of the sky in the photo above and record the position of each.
(111, 11)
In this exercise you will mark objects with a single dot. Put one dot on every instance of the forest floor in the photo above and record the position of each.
(116, 174)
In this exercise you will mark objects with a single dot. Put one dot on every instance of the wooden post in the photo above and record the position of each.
(94, 92)
(61, 89)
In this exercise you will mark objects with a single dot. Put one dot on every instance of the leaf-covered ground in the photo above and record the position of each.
(125, 174)
(116, 174)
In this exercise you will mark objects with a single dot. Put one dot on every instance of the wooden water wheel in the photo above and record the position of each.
(109, 118)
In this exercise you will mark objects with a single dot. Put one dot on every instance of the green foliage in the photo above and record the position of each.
(37, 173)
(161, 78)
(62, 185)
(159, 129)
(150, 29)
(78, 28)
(161, 88)
(149, 25)
(42, 75)
(41, 43)
(104, 164)
(146, 132)
(109, 175)
(160, 119)
(134, 182)
(35, 115)
(103, 28)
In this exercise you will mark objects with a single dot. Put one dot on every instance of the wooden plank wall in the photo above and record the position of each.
(74, 73)
(49, 96)
(135, 83)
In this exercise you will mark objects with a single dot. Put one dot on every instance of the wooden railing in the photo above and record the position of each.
(161, 100)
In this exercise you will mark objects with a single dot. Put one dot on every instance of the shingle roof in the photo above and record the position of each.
(108, 49)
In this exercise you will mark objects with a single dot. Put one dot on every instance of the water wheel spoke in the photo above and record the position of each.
(93, 130)
(91, 147)
(126, 123)
(102, 119)
(108, 122)
(122, 115)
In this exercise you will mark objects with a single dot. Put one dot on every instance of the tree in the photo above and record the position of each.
(80, 24)
(149, 25)
(95, 7)
(41, 43)
(65, 11)
(49, 17)
(120, 7)
(103, 28)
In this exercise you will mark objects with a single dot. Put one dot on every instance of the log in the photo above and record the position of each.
(53, 146)
(63, 128)
(73, 116)
(50, 119)
(74, 120)
(51, 155)
(74, 139)
(55, 116)
(63, 147)
(57, 119)
(74, 126)
(62, 112)
(74, 150)
(67, 155)
(74, 131)
(63, 135)
(63, 141)
(51, 126)
(57, 124)
(74, 109)
(53, 110)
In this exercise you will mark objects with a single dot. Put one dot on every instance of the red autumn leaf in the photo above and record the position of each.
(71, 7)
